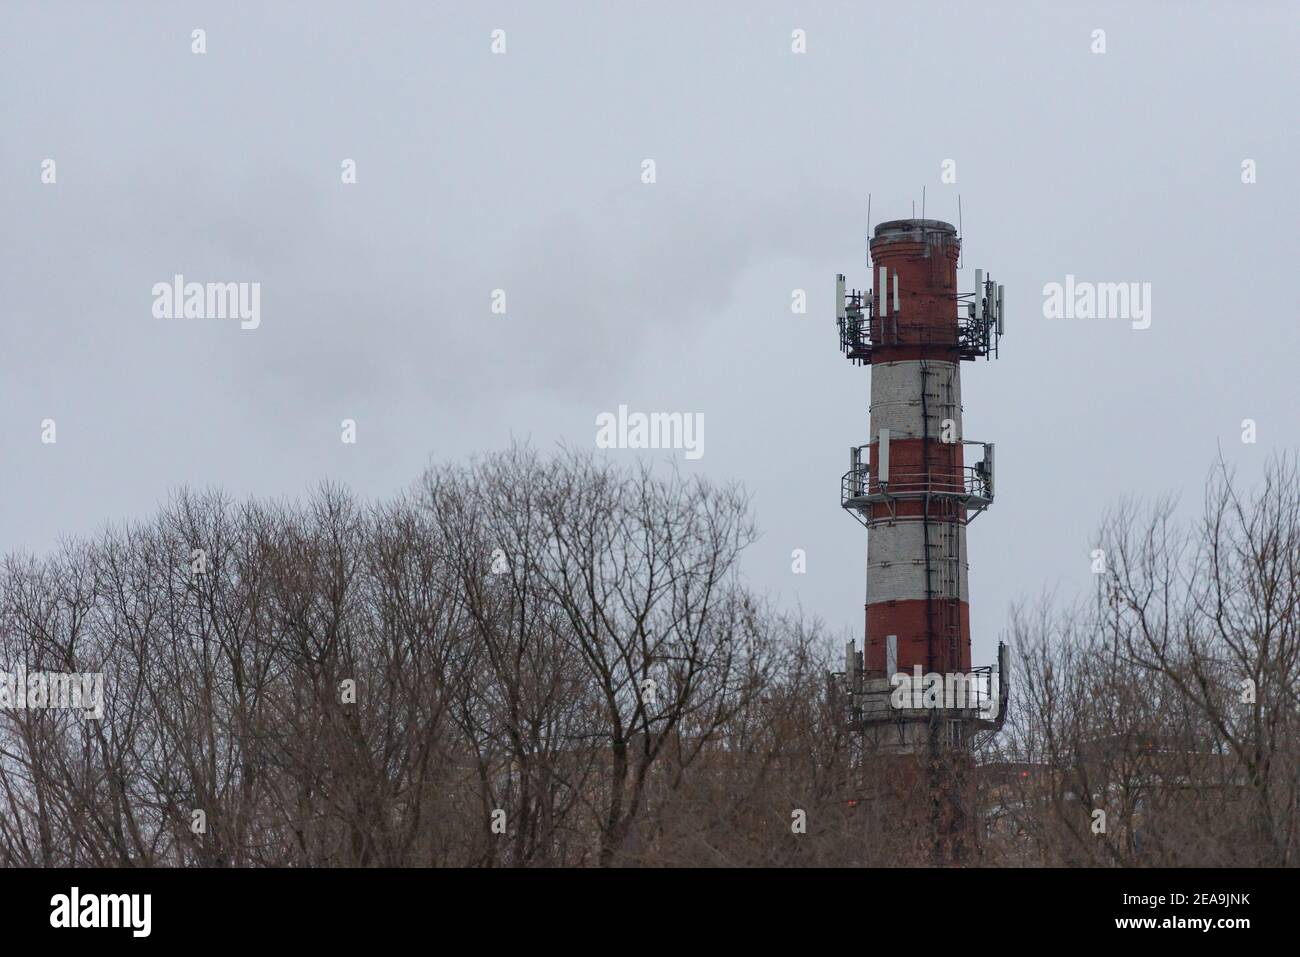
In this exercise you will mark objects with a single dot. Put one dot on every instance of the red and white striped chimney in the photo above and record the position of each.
(916, 493)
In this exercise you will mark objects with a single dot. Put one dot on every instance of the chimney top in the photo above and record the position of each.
(911, 230)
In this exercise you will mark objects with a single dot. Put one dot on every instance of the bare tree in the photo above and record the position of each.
(1170, 705)
(549, 661)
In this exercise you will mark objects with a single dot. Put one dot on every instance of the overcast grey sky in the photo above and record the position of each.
(522, 171)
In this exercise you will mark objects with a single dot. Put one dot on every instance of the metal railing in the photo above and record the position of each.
(966, 482)
(861, 331)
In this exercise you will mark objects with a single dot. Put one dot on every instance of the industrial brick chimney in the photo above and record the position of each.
(911, 486)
